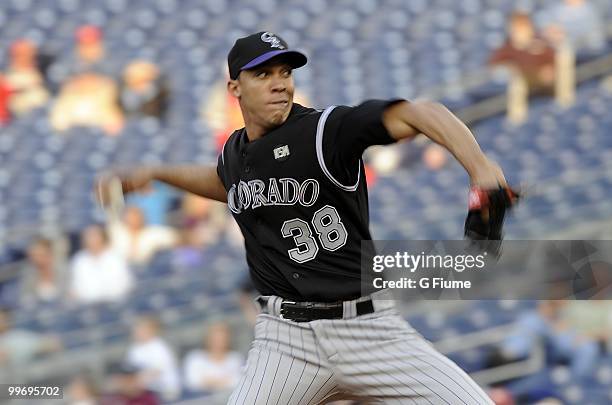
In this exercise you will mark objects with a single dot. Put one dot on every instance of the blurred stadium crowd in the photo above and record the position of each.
(156, 306)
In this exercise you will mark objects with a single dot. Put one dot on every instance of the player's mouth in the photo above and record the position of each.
(279, 103)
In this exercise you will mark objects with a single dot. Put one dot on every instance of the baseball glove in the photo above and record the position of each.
(486, 212)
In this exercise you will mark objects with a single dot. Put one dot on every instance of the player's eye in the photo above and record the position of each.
(261, 74)
(287, 72)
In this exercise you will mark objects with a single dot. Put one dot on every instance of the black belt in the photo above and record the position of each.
(311, 311)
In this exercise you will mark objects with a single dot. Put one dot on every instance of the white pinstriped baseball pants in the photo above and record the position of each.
(378, 358)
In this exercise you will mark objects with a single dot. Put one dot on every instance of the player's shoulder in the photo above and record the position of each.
(334, 114)
(300, 111)
(233, 140)
(329, 113)
(366, 109)
(234, 137)
(230, 146)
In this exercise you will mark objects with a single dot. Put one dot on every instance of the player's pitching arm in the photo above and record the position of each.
(197, 179)
(406, 120)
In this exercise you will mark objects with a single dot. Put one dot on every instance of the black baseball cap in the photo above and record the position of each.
(258, 48)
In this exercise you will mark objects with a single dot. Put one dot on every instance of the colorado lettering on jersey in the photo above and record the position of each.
(286, 191)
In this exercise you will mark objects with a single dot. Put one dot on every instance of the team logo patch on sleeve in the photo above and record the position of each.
(281, 152)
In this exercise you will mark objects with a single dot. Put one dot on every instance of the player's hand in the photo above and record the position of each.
(130, 180)
(489, 199)
(488, 176)
(485, 220)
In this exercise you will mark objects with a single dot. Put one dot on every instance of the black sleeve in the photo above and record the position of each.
(220, 167)
(349, 131)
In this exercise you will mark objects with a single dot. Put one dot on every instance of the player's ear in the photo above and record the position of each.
(234, 88)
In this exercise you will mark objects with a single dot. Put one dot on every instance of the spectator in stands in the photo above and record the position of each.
(89, 57)
(25, 79)
(383, 161)
(435, 157)
(97, 272)
(88, 100)
(128, 389)
(606, 85)
(155, 201)
(215, 367)
(18, 346)
(209, 218)
(592, 321)
(137, 241)
(144, 92)
(246, 299)
(5, 97)
(89, 47)
(189, 253)
(552, 324)
(82, 390)
(527, 54)
(88, 95)
(43, 278)
(576, 21)
(155, 358)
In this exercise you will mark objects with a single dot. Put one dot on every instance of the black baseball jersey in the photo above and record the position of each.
(300, 198)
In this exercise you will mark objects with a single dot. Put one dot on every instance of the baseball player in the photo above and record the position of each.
(294, 181)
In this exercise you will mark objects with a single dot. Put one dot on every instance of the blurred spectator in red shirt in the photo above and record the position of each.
(526, 53)
(144, 92)
(128, 389)
(576, 21)
(88, 95)
(138, 241)
(5, 96)
(43, 279)
(90, 46)
(25, 79)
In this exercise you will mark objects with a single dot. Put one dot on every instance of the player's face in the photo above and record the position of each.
(266, 94)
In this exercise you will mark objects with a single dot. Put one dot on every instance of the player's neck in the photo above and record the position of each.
(256, 127)
(254, 131)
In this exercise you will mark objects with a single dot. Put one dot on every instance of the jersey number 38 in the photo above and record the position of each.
(329, 228)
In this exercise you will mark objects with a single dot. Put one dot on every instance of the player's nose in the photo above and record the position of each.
(278, 84)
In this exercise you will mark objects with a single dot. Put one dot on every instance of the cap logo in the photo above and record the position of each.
(272, 40)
